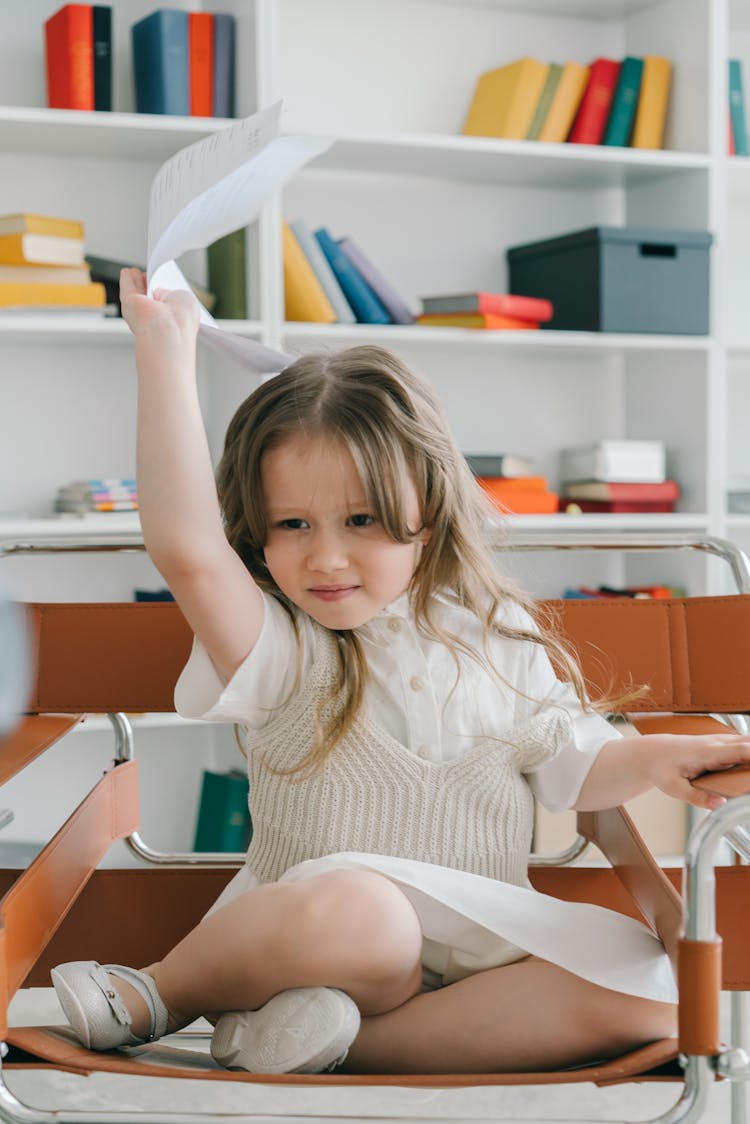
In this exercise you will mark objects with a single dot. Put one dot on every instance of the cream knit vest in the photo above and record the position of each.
(372, 795)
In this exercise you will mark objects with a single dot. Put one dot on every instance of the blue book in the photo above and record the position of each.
(737, 108)
(161, 63)
(624, 102)
(365, 305)
(223, 72)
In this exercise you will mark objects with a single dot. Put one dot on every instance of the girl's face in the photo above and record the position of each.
(325, 550)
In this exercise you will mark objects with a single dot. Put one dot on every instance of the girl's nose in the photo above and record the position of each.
(326, 552)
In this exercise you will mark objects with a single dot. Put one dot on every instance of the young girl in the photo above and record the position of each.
(401, 715)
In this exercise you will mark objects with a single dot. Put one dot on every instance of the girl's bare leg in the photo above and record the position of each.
(524, 1016)
(353, 930)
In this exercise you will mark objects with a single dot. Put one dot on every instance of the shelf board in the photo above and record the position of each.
(73, 327)
(120, 528)
(584, 343)
(671, 522)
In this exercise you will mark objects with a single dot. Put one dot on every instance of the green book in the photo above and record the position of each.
(737, 118)
(223, 815)
(227, 276)
(624, 102)
(545, 100)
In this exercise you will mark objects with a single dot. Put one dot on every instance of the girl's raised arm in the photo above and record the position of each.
(179, 508)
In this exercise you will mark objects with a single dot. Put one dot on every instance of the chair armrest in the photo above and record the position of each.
(728, 782)
(31, 737)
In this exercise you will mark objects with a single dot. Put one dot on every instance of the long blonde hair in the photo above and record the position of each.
(393, 426)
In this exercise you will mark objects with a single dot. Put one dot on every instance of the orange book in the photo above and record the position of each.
(69, 57)
(474, 320)
(591, 118)
(200, 63)
(304, 297)
(504, 485)
(527, 503)
(651, 111)
(23, 294)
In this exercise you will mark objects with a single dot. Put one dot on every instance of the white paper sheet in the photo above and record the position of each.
(211, 188)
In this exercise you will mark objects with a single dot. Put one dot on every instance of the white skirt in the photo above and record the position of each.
(471, 923)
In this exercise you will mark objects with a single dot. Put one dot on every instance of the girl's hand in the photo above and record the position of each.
(674, 760)
(167, 314)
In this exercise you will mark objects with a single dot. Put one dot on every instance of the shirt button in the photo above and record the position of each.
(424, 752)
(395, 624)
(416, 683)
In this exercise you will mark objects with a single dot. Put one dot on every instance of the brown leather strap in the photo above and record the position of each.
(699, 981)
(30, 738)
(614, 832)
(727, 783)
(38, 901)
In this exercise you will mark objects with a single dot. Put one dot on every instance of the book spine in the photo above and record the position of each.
(102, 50)
(304, 298)
(200, 63)
(27, 295)
(545, 101)
(160, 63)
(622, 114)
(323, 272)
(366, 306)
(651, 112)
(69, 53)
(496, 304)
(738, 120)
(227, 275)
(524, 99)
(223, 822)
(223, 65)
(565, 103)
(494, 464)
(591, 119)
(392, 302)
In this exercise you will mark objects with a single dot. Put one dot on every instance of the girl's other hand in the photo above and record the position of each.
(165, 312)
(677, 760)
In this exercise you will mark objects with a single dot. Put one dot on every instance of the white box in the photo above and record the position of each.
(621, 460)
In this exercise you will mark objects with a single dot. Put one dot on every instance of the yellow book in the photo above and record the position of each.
(30, 295)
(304, 298)
(40, 249)
(505, 100)
(651, 111)
(565, 102)
(40, 224)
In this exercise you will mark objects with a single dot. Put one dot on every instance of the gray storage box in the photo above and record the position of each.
(619, 279)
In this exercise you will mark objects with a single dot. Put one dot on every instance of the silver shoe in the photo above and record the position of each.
(302, 1030)
(94, 1008)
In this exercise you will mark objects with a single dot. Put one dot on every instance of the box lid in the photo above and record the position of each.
(653, 235)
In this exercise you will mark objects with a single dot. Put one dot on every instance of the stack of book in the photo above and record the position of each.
(654, 592)
(106, 271)
(509, 481)
(738, 139)
(617, 476)
(42, 265)
(183, 63)
(109, 493)
(78, 57)
(609, 101)
(329, 280)
(484, 310)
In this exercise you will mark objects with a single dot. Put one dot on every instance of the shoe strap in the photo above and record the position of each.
(145, 985)
(101, 978)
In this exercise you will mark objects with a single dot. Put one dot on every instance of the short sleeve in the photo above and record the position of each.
(263, 681)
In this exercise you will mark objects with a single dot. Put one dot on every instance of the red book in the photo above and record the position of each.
(497, 304)
(613, 491)
(69, 55)
(618, 506)
(591, 119)
(200, 63)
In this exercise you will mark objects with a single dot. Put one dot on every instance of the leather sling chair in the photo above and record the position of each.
(694, 655)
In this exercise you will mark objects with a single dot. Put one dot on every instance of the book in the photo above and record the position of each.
(565, 102)
(651, 111)
(200, 63)
(624, 460)
(227, 275)
(223, 821)
(160, 62)
(46, 274)
(322, 270)
(28, 294)
(366, 306)
(393, 302)
(499, 464)
(25, 223)
(498, 304)
(45, 249)
(102, 56)
(621, 507)
(107, 271)
(591, 119)
(535, 502)
(505, 99)
(487, 321)
(737, 117)
(104, 494)
(551, 83)
(69, 57)
(223, 65)
(509, 485)
(304, 297)
(624, 102)
(625, 491)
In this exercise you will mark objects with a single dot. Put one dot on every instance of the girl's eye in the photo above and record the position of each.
(292, 524)
(362, 520)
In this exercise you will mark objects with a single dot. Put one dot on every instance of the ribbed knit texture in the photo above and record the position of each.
(474, 813)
